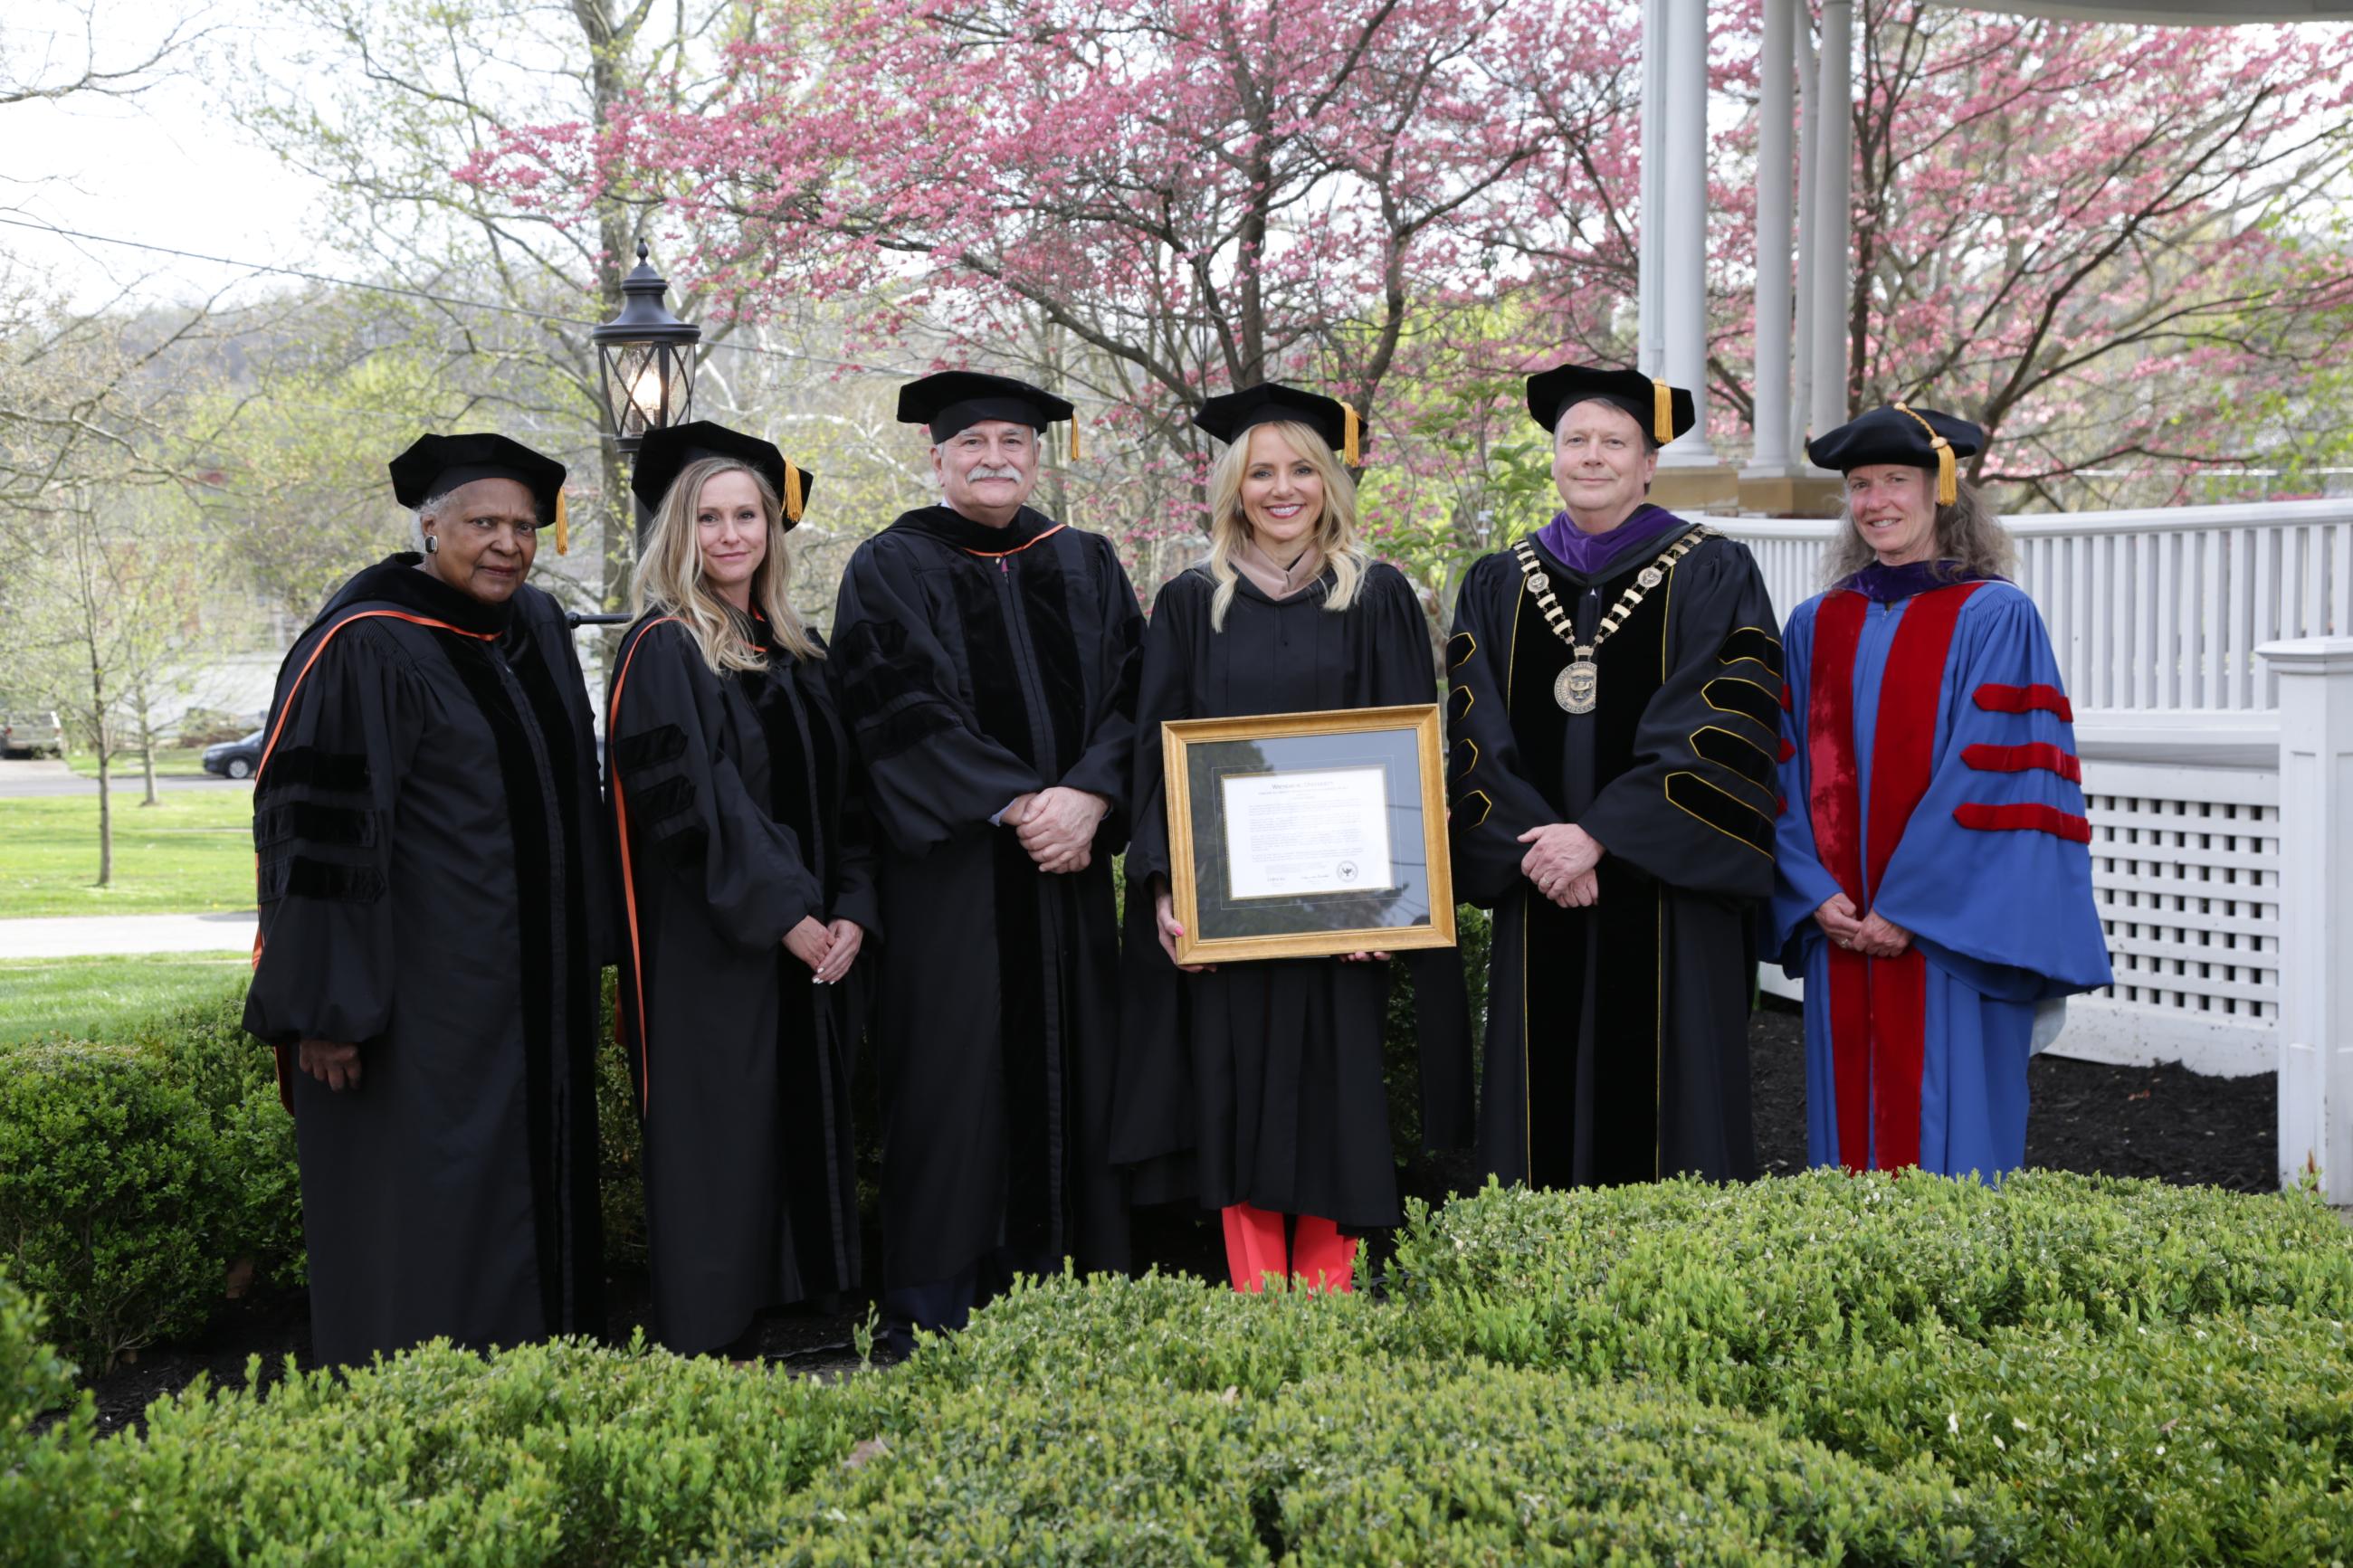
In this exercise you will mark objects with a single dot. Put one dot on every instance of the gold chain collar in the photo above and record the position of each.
(1578, 688)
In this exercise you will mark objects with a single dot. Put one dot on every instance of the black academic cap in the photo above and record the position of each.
(1664, 412)
(1231, 416)
(957, 400)
(666, 453)
(1897, 434)
(435, 465)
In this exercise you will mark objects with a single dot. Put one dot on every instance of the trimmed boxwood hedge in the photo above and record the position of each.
(144, 1176)
(1818, 1369)
(112, 1194)
(44, 1471)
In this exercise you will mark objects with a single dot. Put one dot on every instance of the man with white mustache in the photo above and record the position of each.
(988, 656)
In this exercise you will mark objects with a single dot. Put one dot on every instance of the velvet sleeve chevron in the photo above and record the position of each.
(1993, 873)
(345, 726)
(1697, 808)
(680, 800)
(931, 774)
(1491, 798)
(1106, 760)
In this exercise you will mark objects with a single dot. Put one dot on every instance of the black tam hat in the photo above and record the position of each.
(666, 454)
(957, 400)
(1664, 412)
(435, 465)
(1230, 417)
(1897, 434)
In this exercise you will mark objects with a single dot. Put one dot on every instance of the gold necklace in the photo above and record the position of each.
(1578, 688)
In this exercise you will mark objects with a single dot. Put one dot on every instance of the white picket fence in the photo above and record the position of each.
(2220, 889)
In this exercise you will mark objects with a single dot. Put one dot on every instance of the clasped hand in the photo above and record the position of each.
(1561, 861)
(1057, 827)
(828, 950)
(1873, 936)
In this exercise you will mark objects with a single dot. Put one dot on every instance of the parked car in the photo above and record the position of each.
(235, 759)
(31, 734)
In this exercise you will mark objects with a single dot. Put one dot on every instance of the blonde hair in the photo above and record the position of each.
(1967, 532)
(670, 575)
(1335, 530)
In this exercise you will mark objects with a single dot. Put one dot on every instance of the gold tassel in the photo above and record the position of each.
(563, 526)
(1949, 478)
(1663, 412)
(791, 491)
(1352, 436)
(1074, 437)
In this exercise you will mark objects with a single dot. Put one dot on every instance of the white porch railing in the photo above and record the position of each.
(2152, 611)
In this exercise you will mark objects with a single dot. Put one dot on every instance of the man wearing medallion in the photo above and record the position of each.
(1614, 712)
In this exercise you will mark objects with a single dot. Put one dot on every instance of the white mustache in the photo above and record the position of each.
(990, 471)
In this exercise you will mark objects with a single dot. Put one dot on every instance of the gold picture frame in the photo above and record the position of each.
(1328, 791)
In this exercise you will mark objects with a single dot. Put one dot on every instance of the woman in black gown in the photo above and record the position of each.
(748, 891)
(1257, 1088)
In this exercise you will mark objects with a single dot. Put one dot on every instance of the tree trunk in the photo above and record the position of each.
(105, 738)
(147, 746)
(105, 812)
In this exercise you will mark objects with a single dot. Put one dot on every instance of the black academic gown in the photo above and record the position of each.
(980, 664)
(1616, 1036)
(741, 820)
(426, 824)
(1269, 1074)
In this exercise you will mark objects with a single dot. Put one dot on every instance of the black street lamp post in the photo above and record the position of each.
(646, 357)
(644, 364)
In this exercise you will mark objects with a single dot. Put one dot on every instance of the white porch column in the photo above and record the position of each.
(1808, 217)
(2316, 959)
(1684, 301)
(1776, 120)
(1649, 352)
(1831, 237)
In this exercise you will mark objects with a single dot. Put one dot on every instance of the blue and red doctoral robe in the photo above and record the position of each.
(1928, 771)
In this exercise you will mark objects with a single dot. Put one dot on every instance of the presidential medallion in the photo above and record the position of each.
(1577, 686)
(1650, 578)
(1539, 582)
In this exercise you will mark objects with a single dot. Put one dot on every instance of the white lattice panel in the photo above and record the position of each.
(2186, 865)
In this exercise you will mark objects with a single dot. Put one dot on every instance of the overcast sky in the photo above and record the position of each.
(168, 167)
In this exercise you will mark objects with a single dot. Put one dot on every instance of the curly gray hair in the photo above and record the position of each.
(1967, 533)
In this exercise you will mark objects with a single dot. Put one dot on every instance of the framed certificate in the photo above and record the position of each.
(1308, 835)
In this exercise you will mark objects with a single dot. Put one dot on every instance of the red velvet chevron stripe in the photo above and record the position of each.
(1996, 698)
(2032, 817)
(2020, 759)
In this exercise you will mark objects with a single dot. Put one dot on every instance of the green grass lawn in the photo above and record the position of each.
(172, 761)
(190, 854)
(94, 998)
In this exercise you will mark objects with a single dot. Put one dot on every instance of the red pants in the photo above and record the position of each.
(1318, 1255)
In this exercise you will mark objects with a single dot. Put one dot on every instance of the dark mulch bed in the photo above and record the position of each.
(2166, 1122)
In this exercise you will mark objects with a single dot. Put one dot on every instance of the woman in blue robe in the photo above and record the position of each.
(1933, 881)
